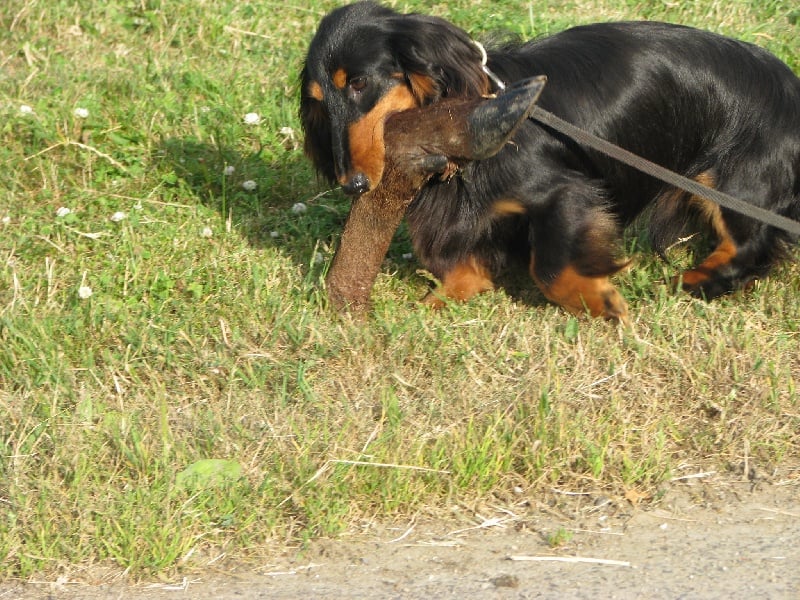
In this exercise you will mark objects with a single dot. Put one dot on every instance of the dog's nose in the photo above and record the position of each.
(358, 185)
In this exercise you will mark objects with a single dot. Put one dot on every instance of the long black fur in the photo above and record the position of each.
(698, 103)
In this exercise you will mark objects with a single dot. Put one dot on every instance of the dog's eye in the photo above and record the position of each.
(357, 84)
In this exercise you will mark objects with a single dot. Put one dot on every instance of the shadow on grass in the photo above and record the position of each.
(268, 215)
(253, 194)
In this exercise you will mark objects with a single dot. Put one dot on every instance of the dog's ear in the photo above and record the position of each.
(317, 129)
(438, 59)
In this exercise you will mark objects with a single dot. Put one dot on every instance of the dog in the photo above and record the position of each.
(720, 111)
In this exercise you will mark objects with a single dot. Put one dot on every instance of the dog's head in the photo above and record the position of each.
(365, 63)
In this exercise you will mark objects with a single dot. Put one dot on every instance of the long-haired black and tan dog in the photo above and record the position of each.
(720, 111)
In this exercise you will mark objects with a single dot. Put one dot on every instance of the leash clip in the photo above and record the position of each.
(484, 59)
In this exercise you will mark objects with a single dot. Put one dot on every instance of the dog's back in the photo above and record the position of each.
(689, 100)
(718, 110)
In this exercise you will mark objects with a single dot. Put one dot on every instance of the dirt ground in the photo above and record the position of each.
(703, 539)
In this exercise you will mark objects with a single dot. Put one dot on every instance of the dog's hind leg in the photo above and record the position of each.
(741, 255)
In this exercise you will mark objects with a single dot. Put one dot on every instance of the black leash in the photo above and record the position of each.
(650, 168)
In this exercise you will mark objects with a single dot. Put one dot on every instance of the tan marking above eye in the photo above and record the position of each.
(315, 91)
(339, 78)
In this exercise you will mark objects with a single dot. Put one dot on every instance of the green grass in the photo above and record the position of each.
(207, 335)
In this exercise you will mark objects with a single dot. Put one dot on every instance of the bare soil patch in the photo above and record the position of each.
(701, 540)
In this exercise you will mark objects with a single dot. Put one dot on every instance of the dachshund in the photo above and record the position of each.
(720, 111)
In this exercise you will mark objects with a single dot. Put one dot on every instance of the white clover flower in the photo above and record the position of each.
(274, 234)
(207, 232)
(84, 292)
(63, 211)
(118, 216)
(25, 110)
(408, 256)
(299, 208)
(252, 118)
(229, 170)
(6, 220)
(289, 139)
(249, 185)
(81, 113)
